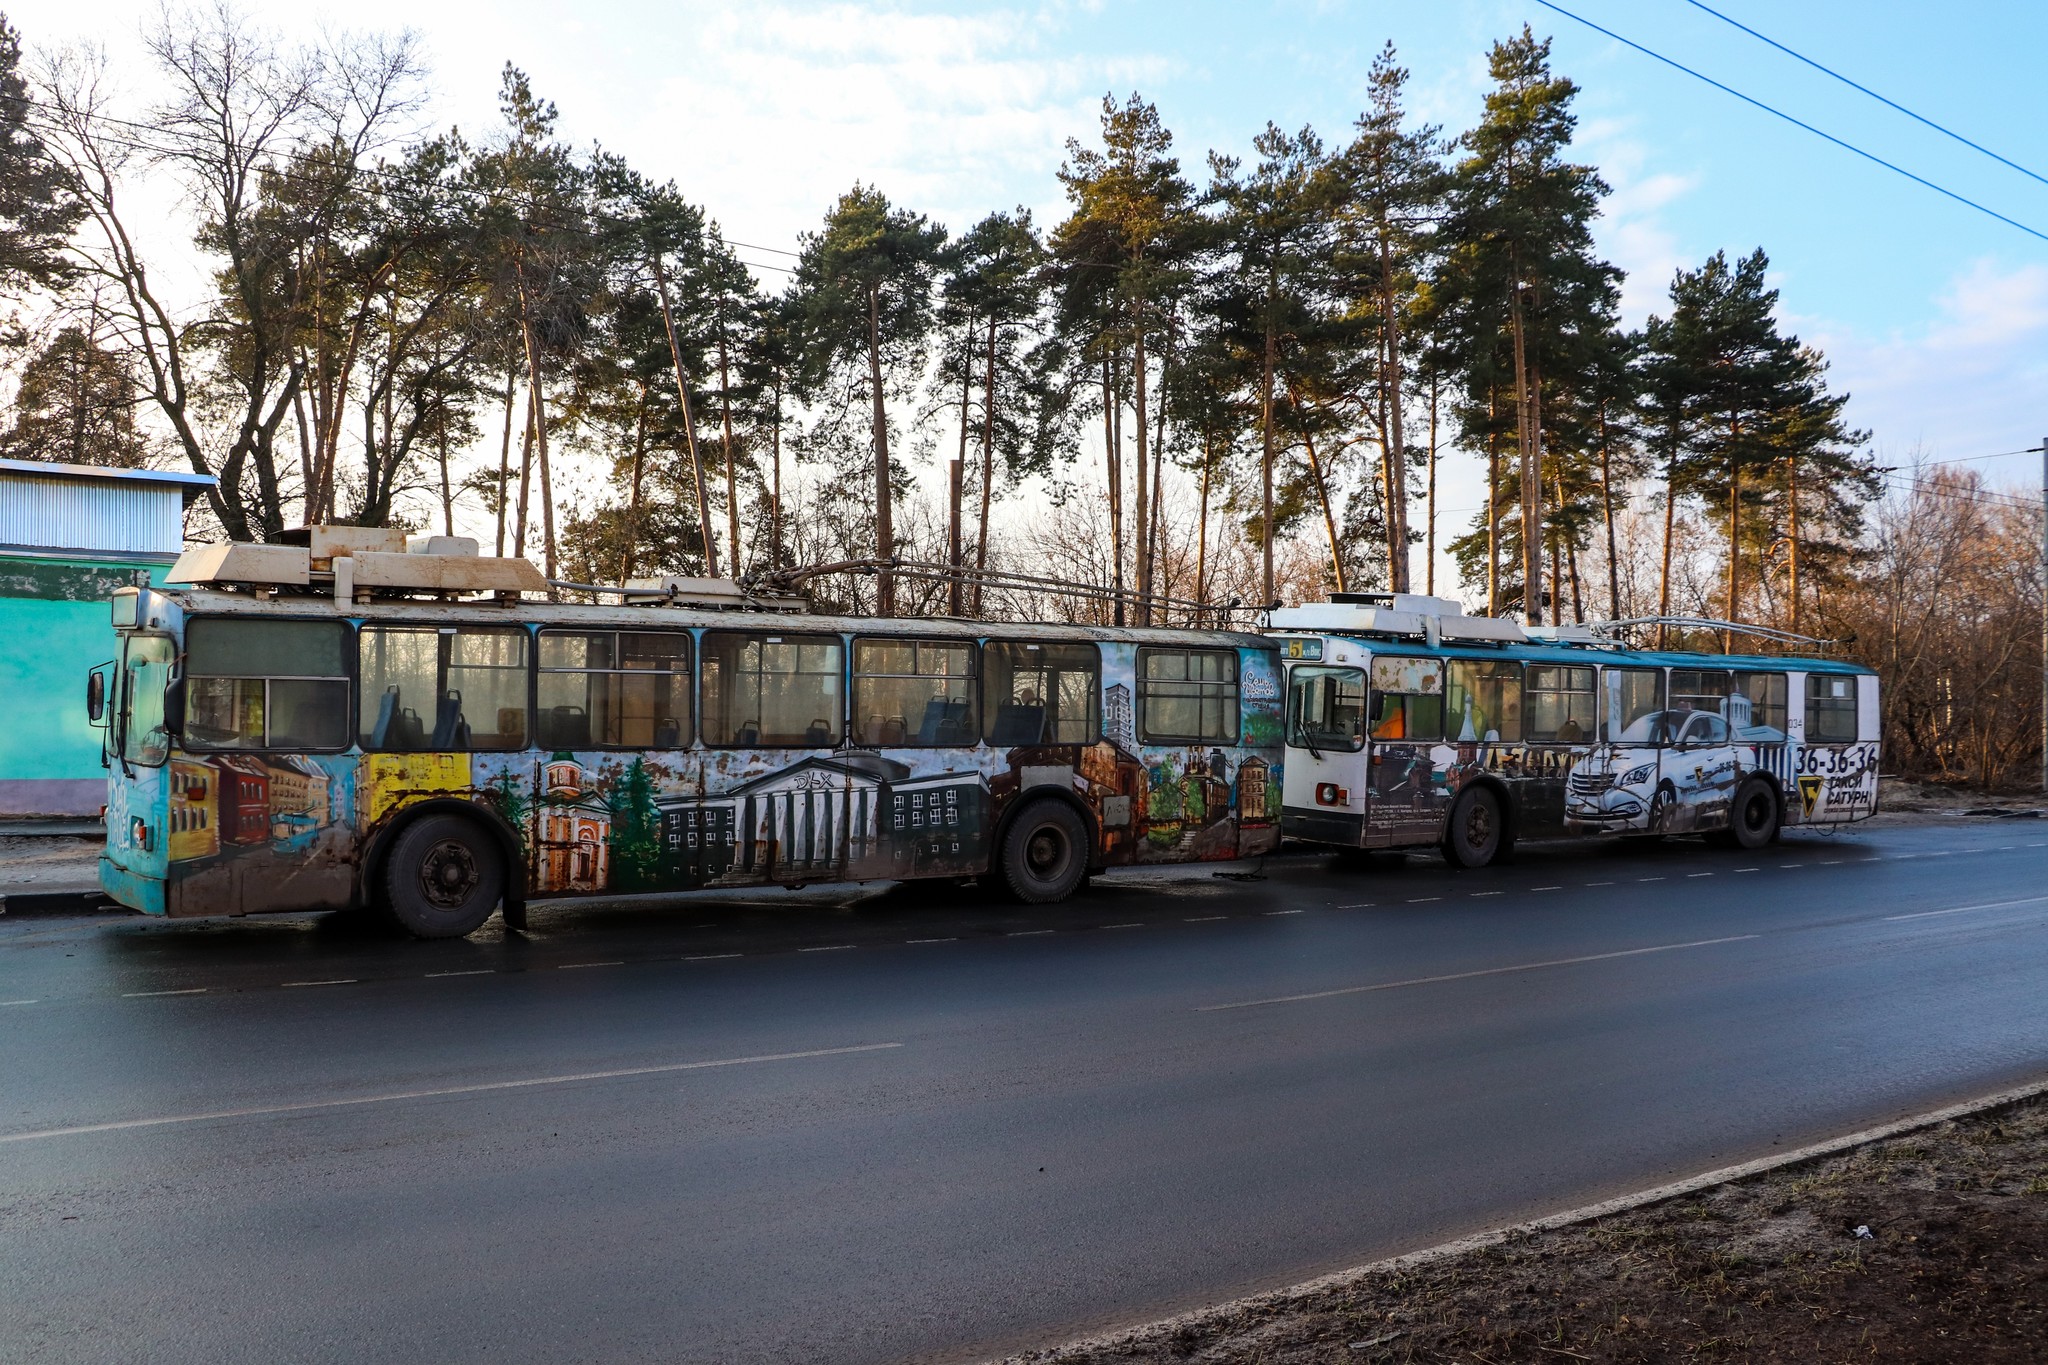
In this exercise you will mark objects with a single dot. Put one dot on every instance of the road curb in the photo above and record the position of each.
(1587, 1213)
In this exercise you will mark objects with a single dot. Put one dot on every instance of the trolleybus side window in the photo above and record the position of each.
(257, 684)
(603, 689)
(1765, 693)
(1041, 694)
(1326, 708)
(773, 691)
(146, 672)
(1485, 700)
(1632, 707)
(1187, 696)
(914, 692)
(1561, 704)
(1701, 689)
(1407, 698)
(442, 688)
(1830, 708)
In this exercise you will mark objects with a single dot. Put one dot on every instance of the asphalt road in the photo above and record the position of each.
(916, 1125)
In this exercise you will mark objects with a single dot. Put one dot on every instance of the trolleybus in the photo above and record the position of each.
(343, 723)
(1410, 724)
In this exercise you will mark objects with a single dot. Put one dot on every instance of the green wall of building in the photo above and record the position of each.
(55, 624)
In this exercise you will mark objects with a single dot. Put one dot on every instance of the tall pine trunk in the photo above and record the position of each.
(1607, 516)
(504, 464)
(732, 482)
(955, 477)
(1492, 500)
(1429, 565)
(1202, 530)
(703, 492)
(1531, 475)
(988, 463)
(1396, 442)
(1144, 507)
(1670, 517)
(633, 497)
(1268, 364)
(1315, 469)
(885, 521)
(1792, 530)
(1113, 456)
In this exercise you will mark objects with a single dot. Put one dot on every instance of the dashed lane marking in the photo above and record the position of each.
(827, 948)
(20, 1002)
(1599, 883)
(1546, 888)
(1744, 869)
(472, 971)
(1960, 909)
(1486, 893)
(572, 966)
(143, 995)
(1466, 976)
(263, 1111)
(1211, 919)
(1650, 879)
(1832, 862)
(1417, 900)
(333, 981)
(1280, 912)
(1784, 866)
(712, 957)
(1135, 925)
(1690, 875)
(1357, 905)
(954, 939)
(1026, 933)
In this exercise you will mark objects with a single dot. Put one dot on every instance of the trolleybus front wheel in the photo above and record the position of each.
(1477, 832)
(1045, 853)
(443, 877)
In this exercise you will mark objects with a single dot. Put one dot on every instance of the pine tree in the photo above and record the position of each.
(37, 208)
(76, 405)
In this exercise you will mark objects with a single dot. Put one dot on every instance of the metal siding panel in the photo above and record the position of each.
(69, 514)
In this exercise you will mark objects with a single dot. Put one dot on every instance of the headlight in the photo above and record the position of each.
(1638, 774)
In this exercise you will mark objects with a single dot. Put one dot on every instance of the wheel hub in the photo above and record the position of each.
(1044, 852)
(448, 874)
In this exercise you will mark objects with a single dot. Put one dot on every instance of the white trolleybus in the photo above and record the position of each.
(1410, 725)
(342, 722)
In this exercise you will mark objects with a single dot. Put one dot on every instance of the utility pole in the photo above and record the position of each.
(2044, 613)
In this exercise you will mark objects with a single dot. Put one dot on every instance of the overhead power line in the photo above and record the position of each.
(1798, 123)
(1889, 103)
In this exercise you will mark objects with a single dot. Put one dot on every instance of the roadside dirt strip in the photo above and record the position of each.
(1921, 1240)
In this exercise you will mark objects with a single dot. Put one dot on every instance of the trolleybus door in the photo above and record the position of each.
(1408, 786)
(1324, 777)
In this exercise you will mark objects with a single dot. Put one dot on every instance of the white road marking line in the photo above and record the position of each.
(954, 939)
(1357, 905)
(1211, 919)
(1650, 879)
(827, 948)
(1133, 925)
(1832, 862)
(1943, 853)
(572, 966)
(1745, 869)
(1599, 883)
(1026, 933)
(1280, 912)
(2043, 844)
(1486, 893)
(1783, 866)
(1691, 875)
(20, 1002)
(473, 971)
(1466, 976)
(335, 981)
(141, 995)
(712, 957)
(261, 1111)
(1546, 888)
(2005, 848)
(1896, 857)
(1417, 900)
(1959, 909)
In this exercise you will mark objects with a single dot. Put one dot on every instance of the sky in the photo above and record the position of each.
(1934, 316)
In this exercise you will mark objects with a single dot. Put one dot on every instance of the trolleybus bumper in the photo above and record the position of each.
(1323, 826)
(131, 889)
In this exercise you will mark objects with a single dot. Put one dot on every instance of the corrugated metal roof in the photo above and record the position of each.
(53, 508)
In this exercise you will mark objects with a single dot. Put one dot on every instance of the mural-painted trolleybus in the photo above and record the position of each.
(1410, 724)
(343, 723)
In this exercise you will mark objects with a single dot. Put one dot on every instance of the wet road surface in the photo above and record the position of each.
(915, 1125)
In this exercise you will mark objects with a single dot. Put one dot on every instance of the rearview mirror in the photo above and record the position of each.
(174, 708)
(96, 695)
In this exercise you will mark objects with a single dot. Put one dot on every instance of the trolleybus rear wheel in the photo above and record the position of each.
(443, 877)
(1477, 831)
(1753, 819)
(1045, 853)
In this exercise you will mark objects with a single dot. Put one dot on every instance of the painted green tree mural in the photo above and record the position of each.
(636, 831)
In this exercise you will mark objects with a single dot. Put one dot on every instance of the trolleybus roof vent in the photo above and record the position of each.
(357, 561)
(1395, 613)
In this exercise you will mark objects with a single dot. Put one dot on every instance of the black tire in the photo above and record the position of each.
(443, 877)
(1754, 817)
(1662, 803)
(1045, 853)
(1477, 832)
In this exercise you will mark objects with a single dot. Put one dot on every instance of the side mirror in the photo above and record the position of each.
(174, 708)
(96, 695)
